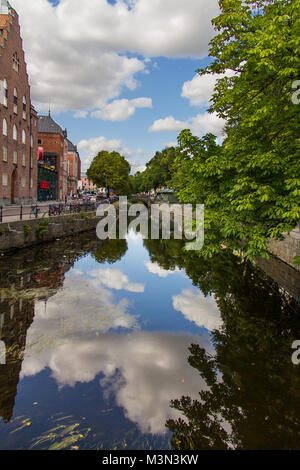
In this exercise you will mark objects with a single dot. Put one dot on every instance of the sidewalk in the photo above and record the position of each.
(14, 213)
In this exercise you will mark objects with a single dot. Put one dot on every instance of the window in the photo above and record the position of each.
(31, 161)
(15, 157)
(5, 92)
(15, 101)
(39, 141)
(4, 149)
(4, 179)
(15, 132)
(23, 137)
(31, 183)
(23, 159)
(16, 63)
(4, 127)
(23, 181)
(24, 108)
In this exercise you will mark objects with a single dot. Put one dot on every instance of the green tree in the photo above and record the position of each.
(110, 169)
(136, 182)
(256, 192)
(158, 171)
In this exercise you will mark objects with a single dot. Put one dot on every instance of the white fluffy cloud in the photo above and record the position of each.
(115, 279)
(200, 89)
(168, 124)
(77, 52)
(62, 316)
(204, 123)
(97, 144)
(151, 28)
(120, 110)
(199, 125)
(144, 371)
(154, 268)
(196, 308)
(94, 145)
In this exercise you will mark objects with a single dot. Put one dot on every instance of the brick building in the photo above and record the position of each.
(86, 184)
(53, 159)
(74, 168)
(18, 119)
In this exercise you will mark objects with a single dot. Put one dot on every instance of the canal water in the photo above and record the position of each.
(136, 344)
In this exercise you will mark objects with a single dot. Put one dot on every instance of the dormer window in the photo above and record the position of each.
(16, 63)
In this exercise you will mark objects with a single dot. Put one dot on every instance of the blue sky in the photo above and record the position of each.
(120, 74)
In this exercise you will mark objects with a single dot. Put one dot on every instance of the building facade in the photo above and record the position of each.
(86, 184)
(74, 168)
(53, 157)
(18, 118)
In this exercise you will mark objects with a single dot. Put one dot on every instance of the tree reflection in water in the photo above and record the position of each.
(253, 396)
(110, 251)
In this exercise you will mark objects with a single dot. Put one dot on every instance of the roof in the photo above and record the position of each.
(48, 126)
(71, 147)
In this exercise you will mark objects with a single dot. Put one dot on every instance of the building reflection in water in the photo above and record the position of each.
(26, 277)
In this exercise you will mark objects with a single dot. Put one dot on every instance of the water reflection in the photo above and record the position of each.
(119, 331)
(27, 281)
(142, 370)
(254, 388)
(199, 309)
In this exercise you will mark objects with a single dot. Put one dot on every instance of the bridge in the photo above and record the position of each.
(147, 200)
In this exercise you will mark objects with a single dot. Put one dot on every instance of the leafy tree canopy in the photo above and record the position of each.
(110, 169)
(251, 184)
(158, 171)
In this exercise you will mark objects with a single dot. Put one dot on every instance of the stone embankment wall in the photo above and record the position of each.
(287, 249)
(282, 273)
(22, 234)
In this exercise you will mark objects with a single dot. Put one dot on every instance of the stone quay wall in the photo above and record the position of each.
(22, 234)
(287, 249)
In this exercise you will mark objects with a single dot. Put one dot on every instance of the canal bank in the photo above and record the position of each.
(24, 234)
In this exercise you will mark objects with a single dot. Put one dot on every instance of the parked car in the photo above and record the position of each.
(90, 196)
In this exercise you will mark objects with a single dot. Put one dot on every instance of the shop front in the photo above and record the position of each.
(47, 184)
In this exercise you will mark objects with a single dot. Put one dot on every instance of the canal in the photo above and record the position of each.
(136, 344)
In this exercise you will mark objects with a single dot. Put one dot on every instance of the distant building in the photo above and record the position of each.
(74, 168)
(87, 185)
(18, 118)
(53, 160)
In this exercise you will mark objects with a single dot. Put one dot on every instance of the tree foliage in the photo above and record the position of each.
(110, 169)
(158, 171)
(249, 387)
(251, 184)
(110, 251)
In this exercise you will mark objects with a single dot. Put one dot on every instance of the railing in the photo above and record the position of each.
(14, 213)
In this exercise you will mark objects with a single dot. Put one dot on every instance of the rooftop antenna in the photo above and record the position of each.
(49, 107)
